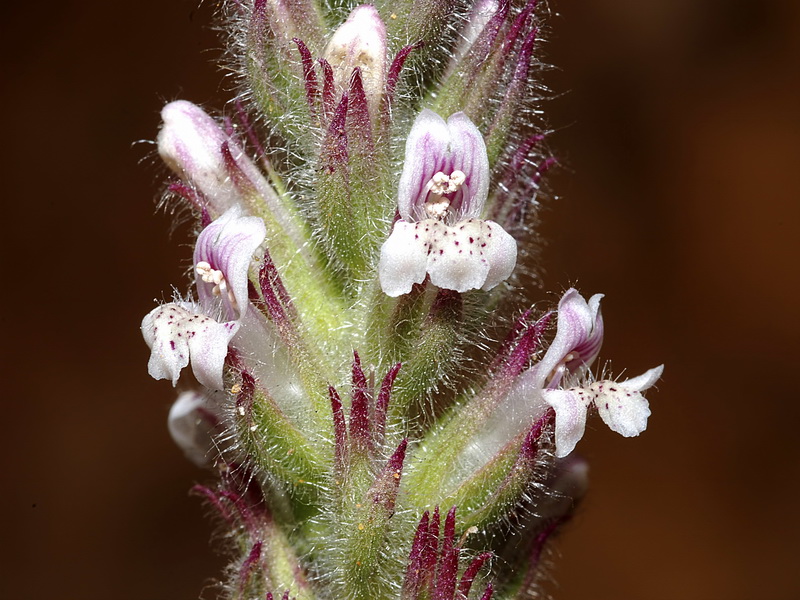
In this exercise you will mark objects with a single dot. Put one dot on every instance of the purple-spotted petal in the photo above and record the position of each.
(177, 334)
(501, 253)
(570, 407)
(404, 258)
(226, 248)
(473, 254)
(456, 260)
(622, 406)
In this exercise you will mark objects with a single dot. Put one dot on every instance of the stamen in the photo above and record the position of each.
(215, 276)
(440, 184)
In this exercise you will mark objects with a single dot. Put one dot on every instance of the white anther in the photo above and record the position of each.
(457, 179)
(204, 270)
(215, 276)
(438, 207)
(440, 184)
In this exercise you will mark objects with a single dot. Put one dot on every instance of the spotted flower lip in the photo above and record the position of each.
(621, 405)
(177, 333)
(442, 191)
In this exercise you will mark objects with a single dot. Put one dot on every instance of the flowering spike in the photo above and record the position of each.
(397, 241)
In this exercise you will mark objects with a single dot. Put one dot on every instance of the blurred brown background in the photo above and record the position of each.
(679, 133)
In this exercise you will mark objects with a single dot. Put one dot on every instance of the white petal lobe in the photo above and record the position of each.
(403, 259)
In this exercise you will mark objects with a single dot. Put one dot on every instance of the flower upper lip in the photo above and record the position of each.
(435, 146)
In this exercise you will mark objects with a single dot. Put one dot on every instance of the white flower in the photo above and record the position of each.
(178, 333)
(443, 188)
(577, 342)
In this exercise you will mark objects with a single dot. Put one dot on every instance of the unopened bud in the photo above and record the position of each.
(360, 42)
(190, 142)
(192, 419)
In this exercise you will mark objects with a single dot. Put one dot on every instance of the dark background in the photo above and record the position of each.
(678, 130)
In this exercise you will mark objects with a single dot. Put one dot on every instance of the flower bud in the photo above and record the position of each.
(360, 42)
(190, 142)
(192, 419)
